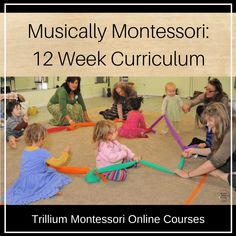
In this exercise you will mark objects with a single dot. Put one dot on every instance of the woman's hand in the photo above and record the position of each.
(186, 108)
(189, 152)
(182, 174)
(70, 121)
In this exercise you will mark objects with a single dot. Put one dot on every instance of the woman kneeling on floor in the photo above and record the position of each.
(67, 105)
(219, 161)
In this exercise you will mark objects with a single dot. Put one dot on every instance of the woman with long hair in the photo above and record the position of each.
(122, 92)
(219, 155)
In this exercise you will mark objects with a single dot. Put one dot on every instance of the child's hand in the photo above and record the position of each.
(137, 158)
(67, 148)
(188, 152)
(201, 145)
(25, 118)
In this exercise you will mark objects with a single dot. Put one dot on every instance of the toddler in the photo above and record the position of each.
(110, 151)
(36, 180)
(203, 144)
(16, 122)
(134, 126)
(171, 106)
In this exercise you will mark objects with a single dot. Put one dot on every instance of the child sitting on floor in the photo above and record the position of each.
(171, 107)
(110, 151)
(134, 126)
(16, 122)
(36, 180)
(203, 144)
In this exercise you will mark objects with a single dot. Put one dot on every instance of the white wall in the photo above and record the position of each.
(185, 85)
(144, 86)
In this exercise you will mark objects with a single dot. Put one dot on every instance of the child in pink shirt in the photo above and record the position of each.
(135, 126)
(110, 151)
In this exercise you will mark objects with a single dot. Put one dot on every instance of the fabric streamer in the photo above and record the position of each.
(80, 124)
(174, 133)
(71, 169)
(196, 190)
(156, 122)
(181, 163)
(154, 166)
(93, 176)
(70, 127)
(118, 120)
(116, 167)
(56, 129)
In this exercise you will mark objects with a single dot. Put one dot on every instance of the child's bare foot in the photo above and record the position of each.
(164, 132)
(143, 135)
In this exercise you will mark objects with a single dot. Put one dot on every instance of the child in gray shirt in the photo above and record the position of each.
(16, 122)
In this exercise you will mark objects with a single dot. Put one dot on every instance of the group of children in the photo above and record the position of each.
(39, 181)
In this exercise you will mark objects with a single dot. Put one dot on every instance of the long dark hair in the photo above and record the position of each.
(125, 87)
(71, 79)
(218, 87)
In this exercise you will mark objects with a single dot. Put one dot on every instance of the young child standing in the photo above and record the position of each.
(134, 126)
(36, 180)
(16, 122)
(110, 151)
(171, 106)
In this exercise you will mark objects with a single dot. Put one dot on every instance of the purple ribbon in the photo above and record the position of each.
(156, 122)
(174, 133)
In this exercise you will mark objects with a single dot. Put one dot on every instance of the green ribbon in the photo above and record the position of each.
(156, 167)
(181, 163)
(91, 177)
(119, 166)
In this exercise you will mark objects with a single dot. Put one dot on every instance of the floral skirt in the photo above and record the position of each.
(74, 111)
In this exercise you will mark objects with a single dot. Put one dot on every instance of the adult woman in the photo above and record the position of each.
(218, 163)
(122, 92)
(67, 105)
(213, 93)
